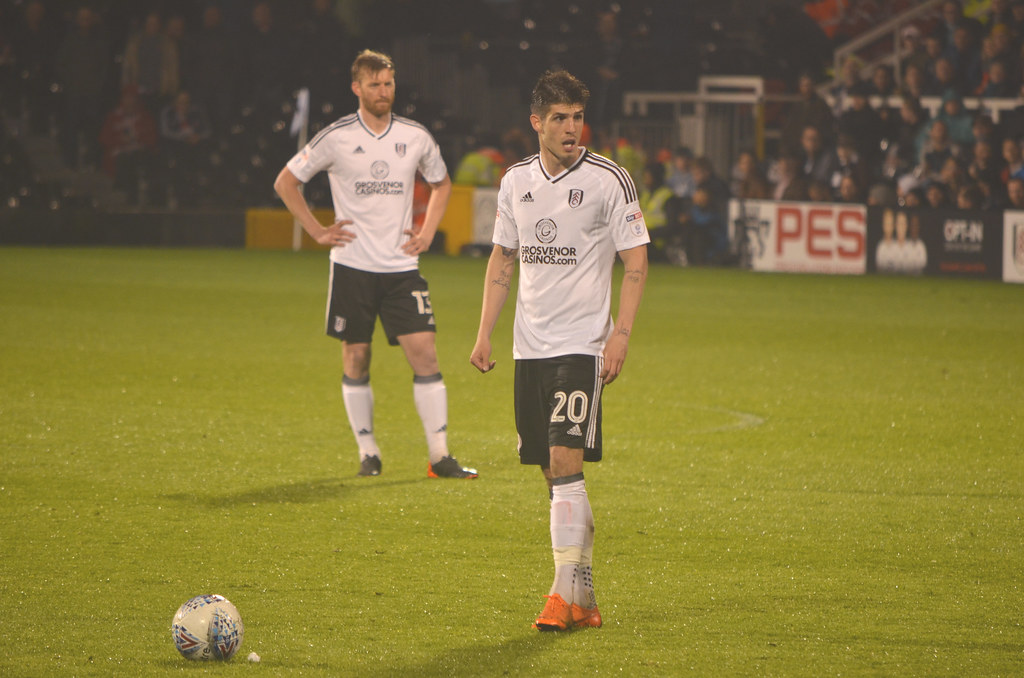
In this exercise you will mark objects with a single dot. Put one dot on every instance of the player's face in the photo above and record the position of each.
(376, 91)
(559, 132)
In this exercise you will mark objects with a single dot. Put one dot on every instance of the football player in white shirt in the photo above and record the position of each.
(371, 158)
(564, 214)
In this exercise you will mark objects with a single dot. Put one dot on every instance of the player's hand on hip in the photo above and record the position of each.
(418, 242)
(336, 235)
(481, 356)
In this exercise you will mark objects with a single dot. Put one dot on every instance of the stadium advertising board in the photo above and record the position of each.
(1013, 247)
(801, 237)
(961, 243)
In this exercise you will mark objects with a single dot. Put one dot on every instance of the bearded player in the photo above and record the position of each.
(371, 158)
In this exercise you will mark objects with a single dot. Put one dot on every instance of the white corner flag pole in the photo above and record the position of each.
(300, 128)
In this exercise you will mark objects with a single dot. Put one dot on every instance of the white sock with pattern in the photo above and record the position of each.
(431, 398)
(358, 397)
(568, 532)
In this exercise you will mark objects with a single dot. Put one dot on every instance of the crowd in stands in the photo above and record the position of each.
(875, 143)
(189, 102)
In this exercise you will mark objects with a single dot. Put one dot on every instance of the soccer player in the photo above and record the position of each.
(371, 158)
(564, 213)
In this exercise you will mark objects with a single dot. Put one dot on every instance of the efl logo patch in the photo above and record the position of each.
(339, 324)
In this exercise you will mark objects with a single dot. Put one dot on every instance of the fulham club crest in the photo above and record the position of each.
(400, 150)
(575, 197)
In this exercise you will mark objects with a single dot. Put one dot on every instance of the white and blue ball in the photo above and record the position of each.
(207, 627)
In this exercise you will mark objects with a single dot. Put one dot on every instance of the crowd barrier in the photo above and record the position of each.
(795, 237)
(837, 238)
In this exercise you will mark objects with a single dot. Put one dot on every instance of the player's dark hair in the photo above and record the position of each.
(371, 62)
(557, 87)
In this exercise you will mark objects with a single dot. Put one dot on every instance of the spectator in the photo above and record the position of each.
(904, 151)
(656, 200)
(819, 191)
(706, 237)
(996, 83)
(850, 190)
(818, 161)
(812, 110)
(862, 124)
(983, 129)
(748, 181)
(913, 49)
(881, 194)
(848, 164)
(791, 184)
(83, 65)
(184, 129)
(129, 140)
(914, 82)
(882, 83)
(849, 82)
(1015, 193)
(704, 176)
(933, 48)
(998, 12)
(151, 64)
(937, 149)
(965, 58)
(1014, 160)
(914, 198)
(943, 80)
(952, 18)
(958, 119)
(680, 178)
(953, 175)
(937, 195)
(1016, 22)
(968, 197)
(984, 165)
(484, 165)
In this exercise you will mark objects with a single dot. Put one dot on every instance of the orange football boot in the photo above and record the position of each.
(583, 617)
(557, 616)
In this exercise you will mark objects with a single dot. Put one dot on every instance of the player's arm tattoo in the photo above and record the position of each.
(636, 275)
(504, 278)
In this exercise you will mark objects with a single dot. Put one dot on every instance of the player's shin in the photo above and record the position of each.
(431, 398)
(358, 397)
(568, 532)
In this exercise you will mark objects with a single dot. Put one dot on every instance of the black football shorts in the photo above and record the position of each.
(558, 402)
(356, 298)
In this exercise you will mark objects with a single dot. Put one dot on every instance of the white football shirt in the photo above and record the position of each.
(372, 178)
(567, 229)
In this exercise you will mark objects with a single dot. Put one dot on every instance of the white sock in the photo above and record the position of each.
(431, 398)
(358, 397)
(583, 587)
(568, 533)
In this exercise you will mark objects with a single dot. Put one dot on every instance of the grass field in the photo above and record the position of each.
(804, 476)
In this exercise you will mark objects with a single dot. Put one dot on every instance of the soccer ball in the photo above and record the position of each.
(207, 627)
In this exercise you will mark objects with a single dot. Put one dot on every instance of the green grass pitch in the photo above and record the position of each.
(804, 476)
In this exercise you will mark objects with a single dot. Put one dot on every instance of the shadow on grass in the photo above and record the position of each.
(511, 657)
(330, 489)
